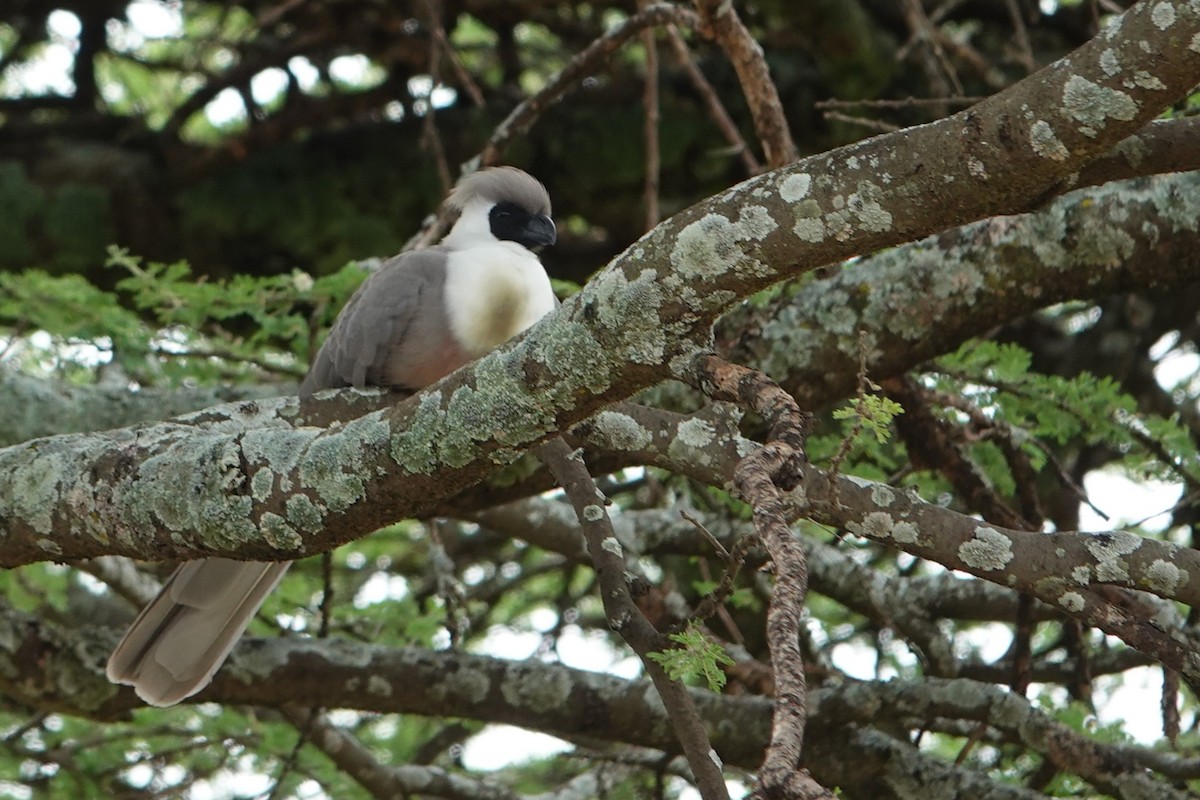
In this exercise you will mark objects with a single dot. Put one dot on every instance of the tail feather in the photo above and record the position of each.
(179, 641)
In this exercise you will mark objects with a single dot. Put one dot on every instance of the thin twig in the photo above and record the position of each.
(762, 478)
(523, 117)
(650, 132)
(626, 618)
(908, 102)
(583, 64)
(721, 20)
(712, 101)
(870, 124)
(431, 139)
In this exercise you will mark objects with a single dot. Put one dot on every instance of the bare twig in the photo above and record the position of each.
(762, 478)
(1021, 34)
(938, 69)
(650, 134)
(712, 101)
(908, 102)
(870, 124)
(721, 20)
(584, 63)
(431, 139)
(442, 43)
(522, 118)
(627, 619)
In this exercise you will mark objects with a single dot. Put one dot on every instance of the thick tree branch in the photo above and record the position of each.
(925, 298)
(48, 667)
(651, 307)
(1067, 570)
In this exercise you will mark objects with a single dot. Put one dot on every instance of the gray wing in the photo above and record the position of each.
(397, 302)
(393, 332)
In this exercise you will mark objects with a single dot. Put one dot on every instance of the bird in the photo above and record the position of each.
(416, 319)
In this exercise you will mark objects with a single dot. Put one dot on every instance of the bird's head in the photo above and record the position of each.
(501, 204)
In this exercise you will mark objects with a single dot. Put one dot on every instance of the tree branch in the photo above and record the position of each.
(307, 489)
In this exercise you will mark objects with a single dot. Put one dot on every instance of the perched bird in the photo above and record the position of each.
(419, 317)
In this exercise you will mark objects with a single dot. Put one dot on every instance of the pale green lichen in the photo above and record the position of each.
(1145, 80)
(1110, 63)
(882, 495)
(573, 353)
(550, 693)
(1163, 16)
(1045, 143)
(906, 533)
(631, 312)
(1092, 104)
(866, 207)
(278, 533)
(712, 244)
(989, 551)
(1114, 570)
(1133, 149)
(1072, 602)
(466, 682)
(695, 433)
(1107, 546)
(262, 484)
(1163, 577)
(875, 525)
(189, 490)
(497, 408)
(610, 544)
(379, 686)
(795, 187)
(329, 468)
(691, 438)
(411, 448)
(34, 489)
(303, 514)
(620, 431)
(277, 449)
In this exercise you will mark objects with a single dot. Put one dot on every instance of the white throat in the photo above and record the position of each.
(473, 227)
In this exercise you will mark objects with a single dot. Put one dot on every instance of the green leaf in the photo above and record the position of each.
(697, 658)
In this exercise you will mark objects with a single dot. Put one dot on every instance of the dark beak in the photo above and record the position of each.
(538, 232)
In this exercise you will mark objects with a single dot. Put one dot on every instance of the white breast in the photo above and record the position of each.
(493, 292)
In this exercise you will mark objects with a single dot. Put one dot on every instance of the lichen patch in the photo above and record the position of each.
(1045, 143)
(989, 551)
(1093, 105)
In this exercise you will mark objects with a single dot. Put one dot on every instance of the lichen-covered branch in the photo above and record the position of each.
(919, 300)
(1070, 571)
(45, 666)
(279, 493)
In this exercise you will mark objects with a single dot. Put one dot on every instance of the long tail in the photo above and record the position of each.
(178, 642)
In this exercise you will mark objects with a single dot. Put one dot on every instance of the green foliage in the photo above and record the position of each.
(187, 329)
(697, 657)
(873, 413)
(997, 378)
